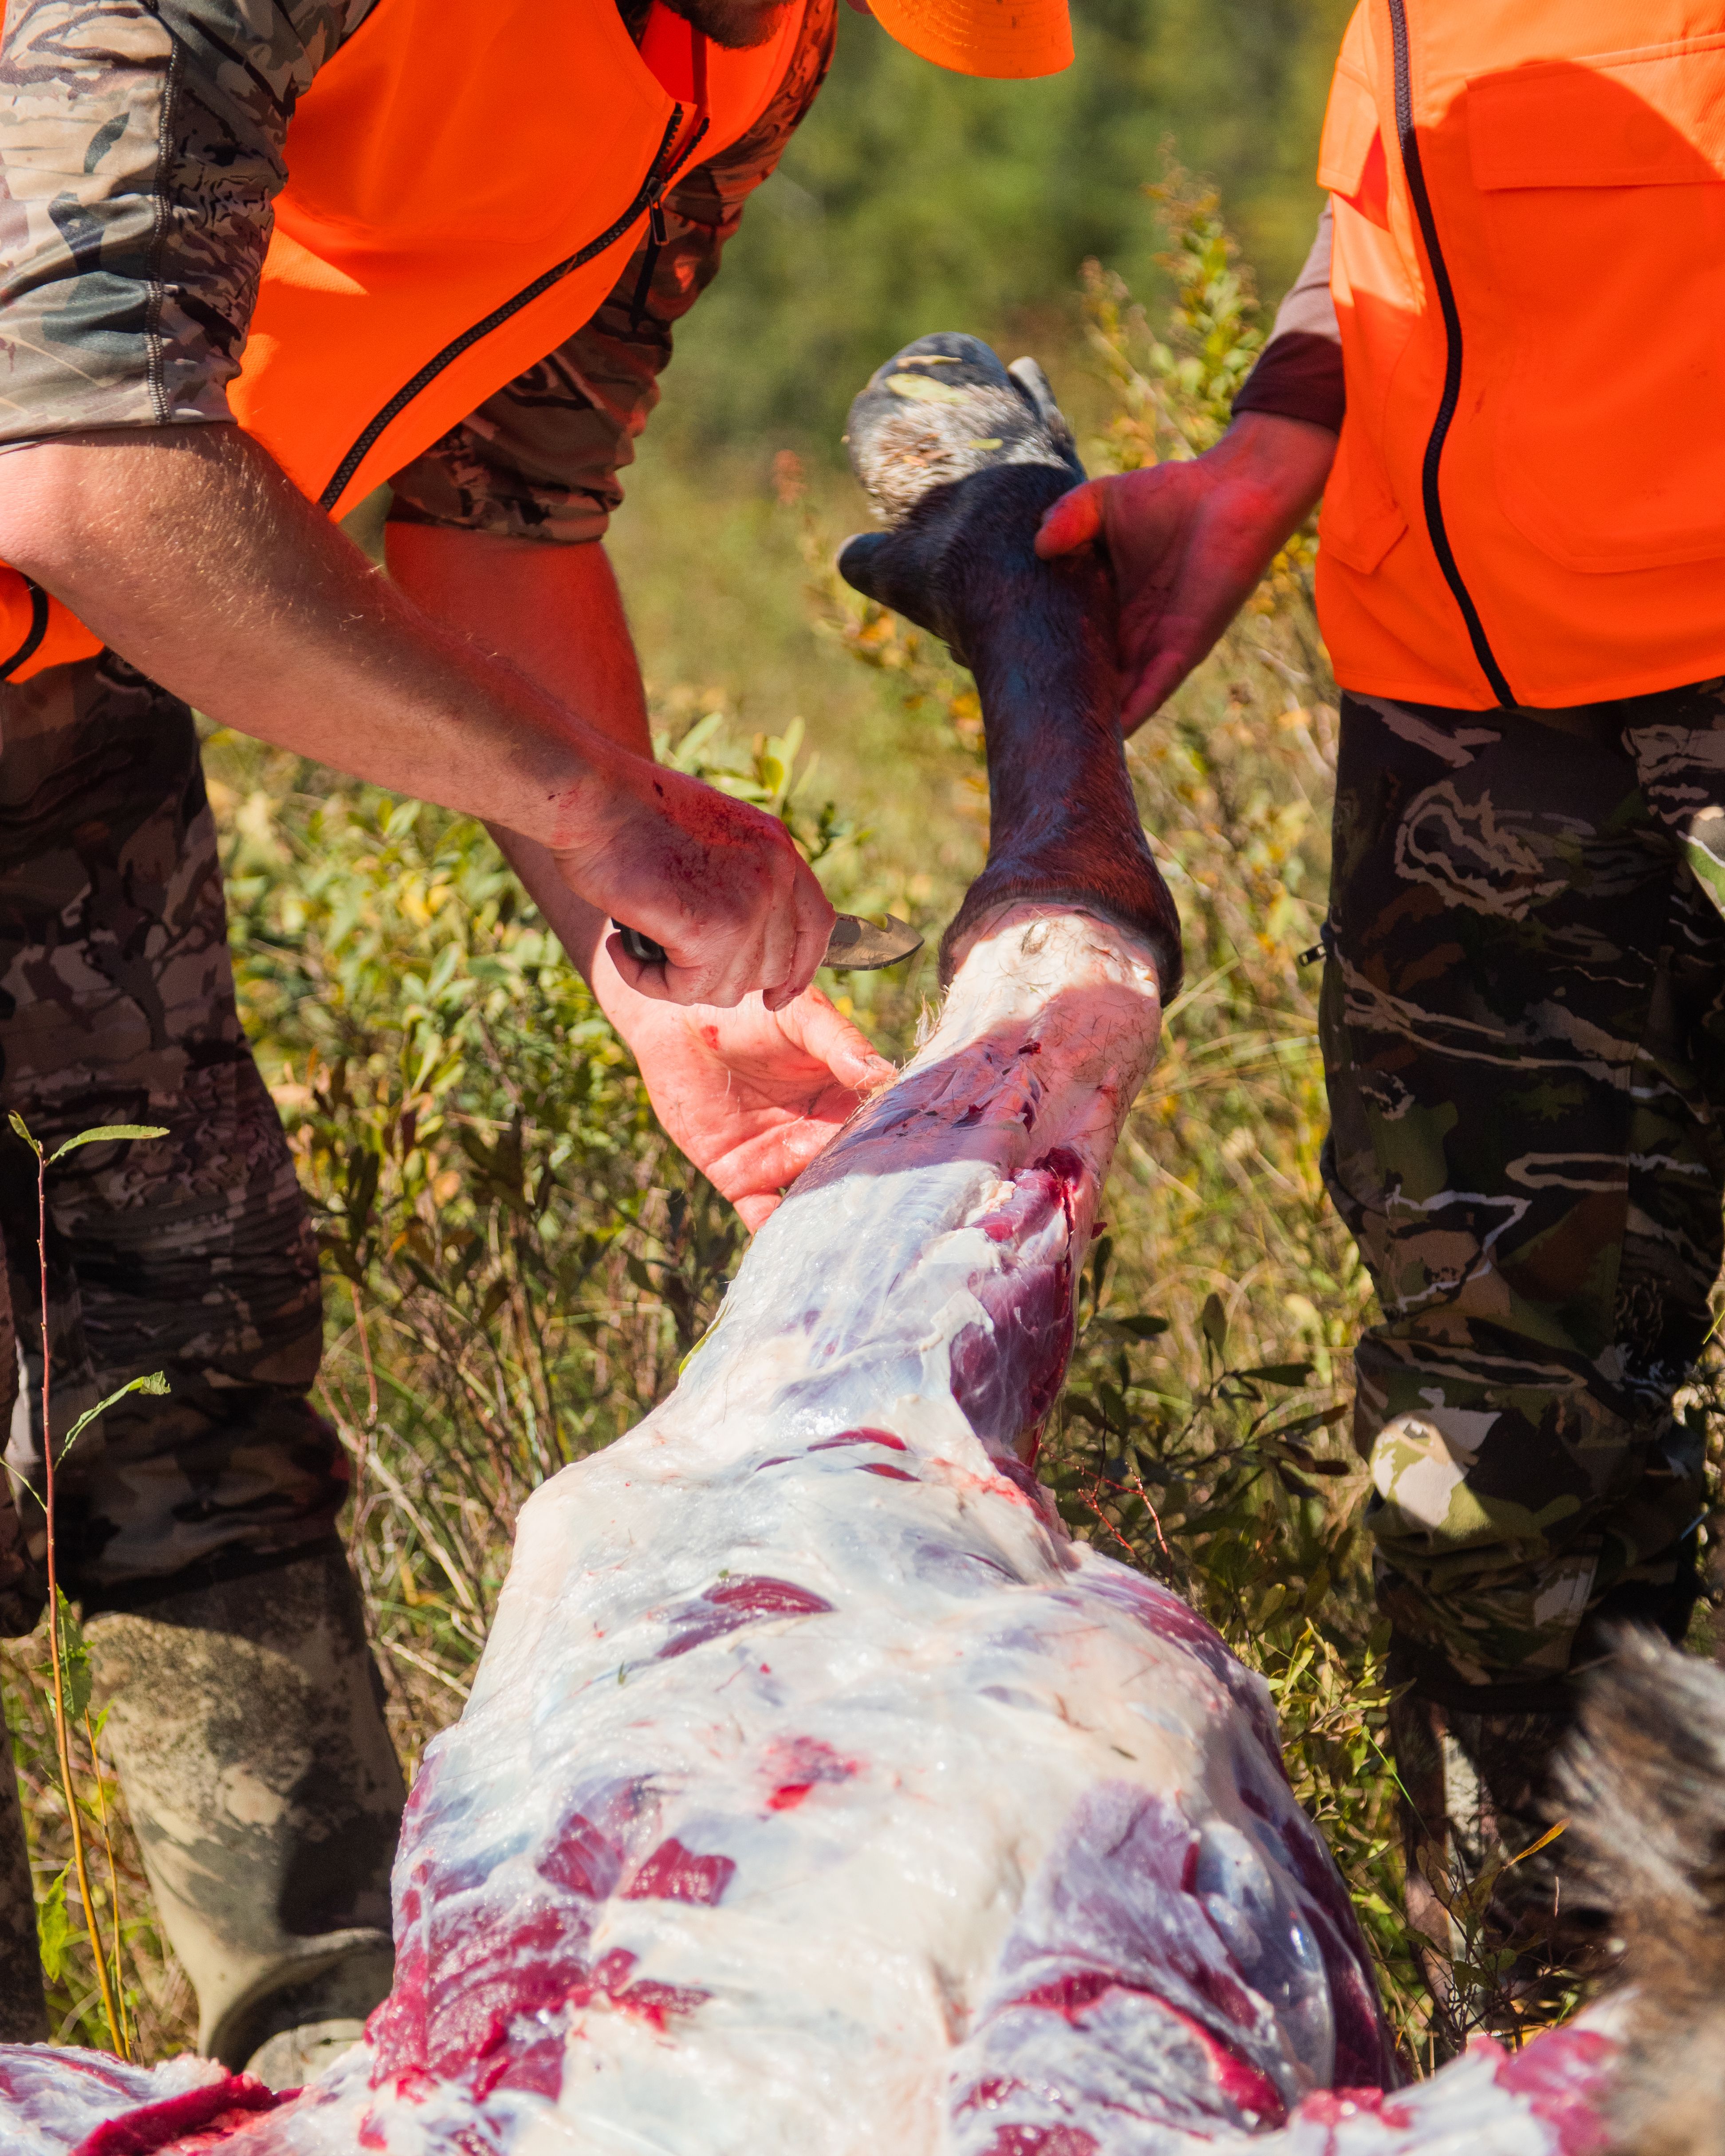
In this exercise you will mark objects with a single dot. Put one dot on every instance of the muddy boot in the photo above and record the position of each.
(23, 2017)
(245, 1721)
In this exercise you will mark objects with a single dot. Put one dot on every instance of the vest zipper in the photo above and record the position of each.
(33, 636)
(650, 263)
(1433, 500)
(649, 198)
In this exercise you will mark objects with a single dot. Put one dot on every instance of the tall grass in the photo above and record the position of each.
(517, 1260)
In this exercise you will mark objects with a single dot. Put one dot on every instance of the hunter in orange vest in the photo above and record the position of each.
(1504, 369)
(255, 259)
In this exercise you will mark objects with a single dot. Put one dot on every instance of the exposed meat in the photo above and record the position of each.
(818, 1796)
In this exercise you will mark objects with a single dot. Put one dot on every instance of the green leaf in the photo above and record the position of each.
(113, 1133)
(1323, 1419)
(1213, 1322)
(155, 1382)
(53, 1925)
(22, 1128)
(74, 1660)
(1138, 1328)
(1279, 1373)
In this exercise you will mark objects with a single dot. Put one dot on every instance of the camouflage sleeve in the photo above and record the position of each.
(141, 150)
(541, 459)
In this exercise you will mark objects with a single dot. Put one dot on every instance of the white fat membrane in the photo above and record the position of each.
(817, 1795)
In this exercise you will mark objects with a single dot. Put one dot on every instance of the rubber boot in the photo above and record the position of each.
(24, 2016)
(245, 1721)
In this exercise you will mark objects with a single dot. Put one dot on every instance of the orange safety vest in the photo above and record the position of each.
(467, 182)
(1528, 500)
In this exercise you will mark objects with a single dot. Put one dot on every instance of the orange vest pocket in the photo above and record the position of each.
(1361, 520)
(1602, 182)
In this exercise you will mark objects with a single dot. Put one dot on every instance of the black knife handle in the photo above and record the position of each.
(641, 948)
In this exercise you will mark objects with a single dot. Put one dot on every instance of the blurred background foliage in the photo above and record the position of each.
(517, 1261)
(913, 199)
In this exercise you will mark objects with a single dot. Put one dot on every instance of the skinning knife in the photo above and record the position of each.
(855, 946)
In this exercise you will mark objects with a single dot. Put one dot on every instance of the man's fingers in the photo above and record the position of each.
(756, 1211)
(645, 980)
(1160, 655)
(1152, 690)
(1072, 521)
(672, 984)
(811, 924)
(860, 1068)
(820, 1031)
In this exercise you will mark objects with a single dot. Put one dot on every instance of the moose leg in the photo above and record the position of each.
(962, 455)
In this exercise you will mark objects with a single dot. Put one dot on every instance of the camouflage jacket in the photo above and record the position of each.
(141, 152)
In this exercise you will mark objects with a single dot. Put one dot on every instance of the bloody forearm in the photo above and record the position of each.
(555, 613)
(189, 551)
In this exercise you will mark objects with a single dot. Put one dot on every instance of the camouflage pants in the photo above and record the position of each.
(191, 1254)
(1523, 1020)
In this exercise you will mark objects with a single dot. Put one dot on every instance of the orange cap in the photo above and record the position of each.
(1007, 39)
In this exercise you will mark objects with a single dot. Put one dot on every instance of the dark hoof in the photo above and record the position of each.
(944, 408)
(945, 436)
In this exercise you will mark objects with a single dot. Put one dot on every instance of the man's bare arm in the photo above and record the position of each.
(189, 550)
(515, 598)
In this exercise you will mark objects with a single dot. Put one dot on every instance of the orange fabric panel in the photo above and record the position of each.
(64, 639)
(445, 164)
(1573, 151)
(452, 153)
(1643, 120)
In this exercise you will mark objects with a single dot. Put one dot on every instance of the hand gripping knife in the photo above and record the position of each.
(855, 946)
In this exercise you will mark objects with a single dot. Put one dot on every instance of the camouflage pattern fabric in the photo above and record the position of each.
(141, 146)
(141, 149)
(541, 459)
(1523, 1020)
(192, 1254)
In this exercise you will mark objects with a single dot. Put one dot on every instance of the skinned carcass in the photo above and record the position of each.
(817, 1794)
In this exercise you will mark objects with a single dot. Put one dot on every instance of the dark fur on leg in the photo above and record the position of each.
(1644, 1783)
(962, 455)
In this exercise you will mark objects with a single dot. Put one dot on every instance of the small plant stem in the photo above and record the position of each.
(122, 2030)
(365, 1349)
(62, 1732)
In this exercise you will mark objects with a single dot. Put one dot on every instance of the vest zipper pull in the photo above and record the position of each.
(656, 221)
(650, 263)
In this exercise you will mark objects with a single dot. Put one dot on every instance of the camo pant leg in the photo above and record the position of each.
(1523, 1020)
(191, 1254)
